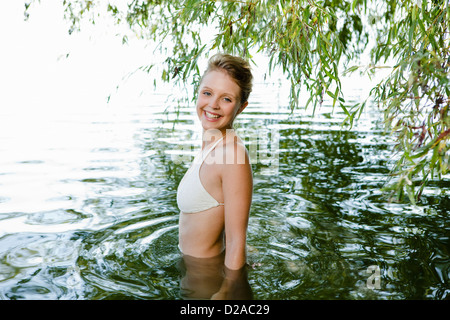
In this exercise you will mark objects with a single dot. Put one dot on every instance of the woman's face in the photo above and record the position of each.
(218, 101)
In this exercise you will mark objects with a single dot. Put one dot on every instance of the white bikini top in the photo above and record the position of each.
(191, 195)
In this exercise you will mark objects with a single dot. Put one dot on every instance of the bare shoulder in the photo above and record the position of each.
(235, 153)
(237, 177)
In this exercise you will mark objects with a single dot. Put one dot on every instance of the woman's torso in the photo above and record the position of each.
(201, 232)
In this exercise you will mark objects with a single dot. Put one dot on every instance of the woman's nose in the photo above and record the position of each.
(214, 104)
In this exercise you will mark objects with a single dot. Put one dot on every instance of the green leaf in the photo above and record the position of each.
(351, 69)
(354, 3)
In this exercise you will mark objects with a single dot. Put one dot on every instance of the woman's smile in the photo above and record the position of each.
(211, 116)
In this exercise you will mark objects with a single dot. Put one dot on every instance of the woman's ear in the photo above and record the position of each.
(242, 107)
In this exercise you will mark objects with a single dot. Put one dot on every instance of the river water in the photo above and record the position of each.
(88, 202)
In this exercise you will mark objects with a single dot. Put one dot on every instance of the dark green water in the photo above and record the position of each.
(88, 206)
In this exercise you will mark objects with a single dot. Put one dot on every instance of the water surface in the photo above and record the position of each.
(88, 205)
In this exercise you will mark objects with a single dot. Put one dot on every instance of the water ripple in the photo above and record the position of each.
(94, 215)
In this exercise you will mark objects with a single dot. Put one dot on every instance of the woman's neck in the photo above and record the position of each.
(212, 135)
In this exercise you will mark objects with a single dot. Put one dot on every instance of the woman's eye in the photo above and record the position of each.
(227, 99)
(207, 93)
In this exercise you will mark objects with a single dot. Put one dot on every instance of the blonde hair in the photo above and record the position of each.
(237, 68)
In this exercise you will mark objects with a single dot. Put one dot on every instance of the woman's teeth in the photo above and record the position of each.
(210, 115)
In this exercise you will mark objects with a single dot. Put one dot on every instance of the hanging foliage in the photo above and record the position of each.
(312, 42)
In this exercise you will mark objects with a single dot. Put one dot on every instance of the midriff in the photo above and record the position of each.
(201, 233)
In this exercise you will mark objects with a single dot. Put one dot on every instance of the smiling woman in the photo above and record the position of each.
(214, 196)
(224, 91)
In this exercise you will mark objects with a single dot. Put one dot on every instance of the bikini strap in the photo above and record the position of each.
(210, 149)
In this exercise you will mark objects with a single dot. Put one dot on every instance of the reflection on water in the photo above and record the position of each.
(94, 215)
(209, 278)
(88, 205)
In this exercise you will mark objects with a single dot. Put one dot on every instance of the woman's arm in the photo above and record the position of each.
(237, 186)
(235, 286)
